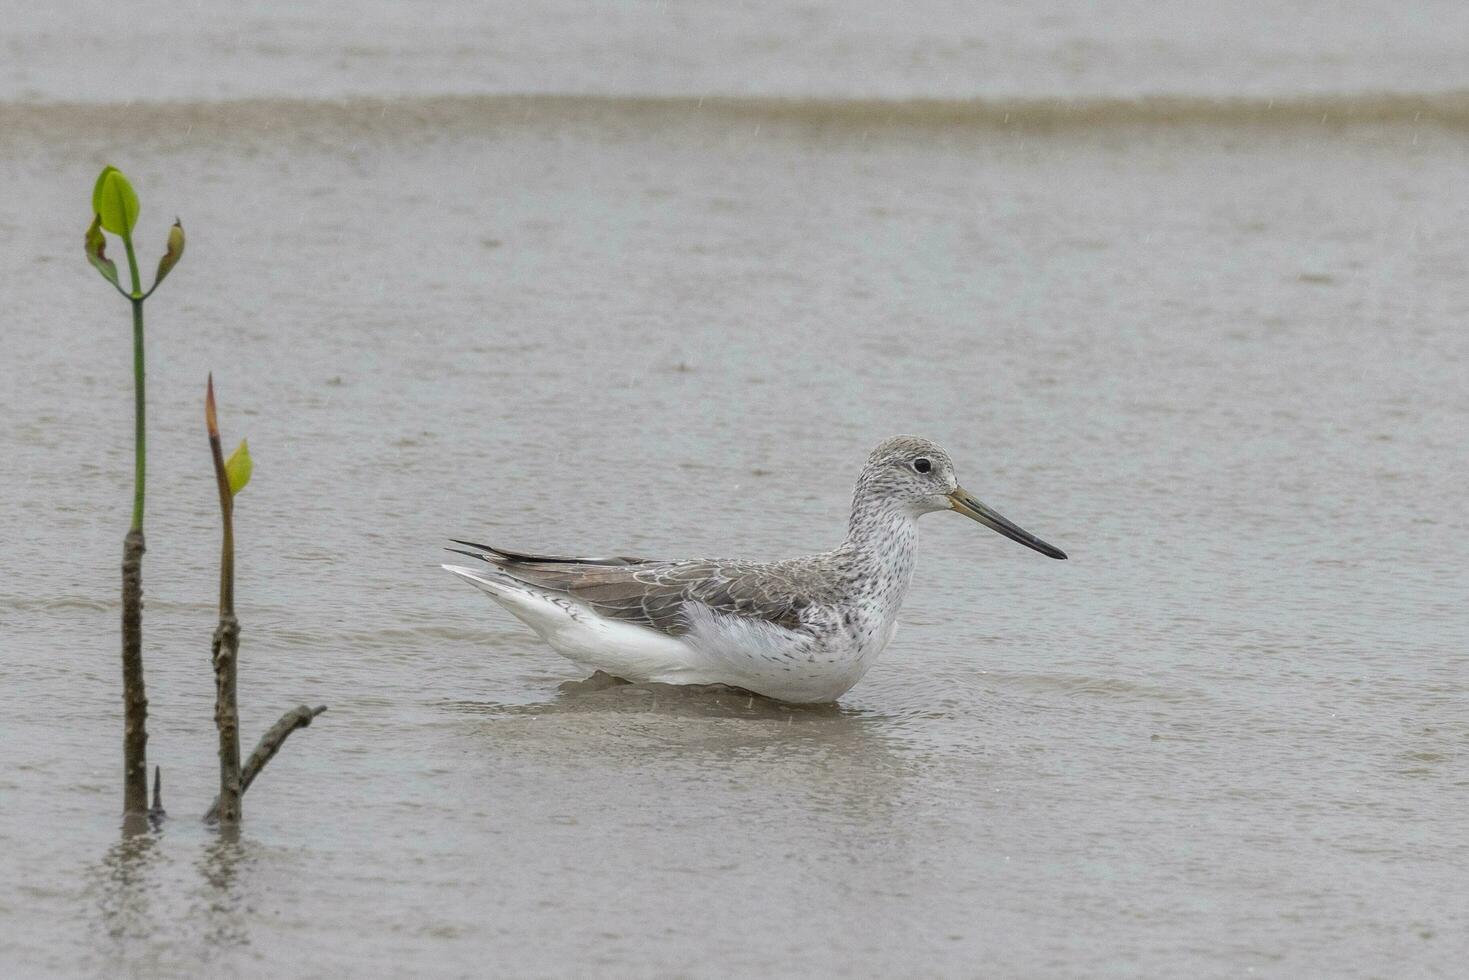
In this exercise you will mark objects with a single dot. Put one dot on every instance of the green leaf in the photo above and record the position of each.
(114, 200)
(238, 467)
(97, 252)
(174, 253)
(97, 188)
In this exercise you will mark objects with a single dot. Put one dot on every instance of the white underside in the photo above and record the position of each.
(718, 649)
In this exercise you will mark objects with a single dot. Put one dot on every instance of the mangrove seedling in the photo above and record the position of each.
(230, 476)
(115, 210)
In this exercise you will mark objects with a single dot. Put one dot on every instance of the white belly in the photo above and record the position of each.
(781, 663)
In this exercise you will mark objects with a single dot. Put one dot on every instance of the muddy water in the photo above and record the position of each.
(1220, 360)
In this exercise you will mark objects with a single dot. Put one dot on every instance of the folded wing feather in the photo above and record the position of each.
(653, 593)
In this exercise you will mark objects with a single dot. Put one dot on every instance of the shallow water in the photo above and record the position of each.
(1221, 360)
(83, 50)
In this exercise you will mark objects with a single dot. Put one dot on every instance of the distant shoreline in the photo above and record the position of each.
(1448, 109)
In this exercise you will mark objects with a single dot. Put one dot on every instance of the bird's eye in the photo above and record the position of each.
(922, 464)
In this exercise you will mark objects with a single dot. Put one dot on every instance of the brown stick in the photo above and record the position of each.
(134, 693)
(226, 647)
(225, 656)
(156, 812)
(270, 743)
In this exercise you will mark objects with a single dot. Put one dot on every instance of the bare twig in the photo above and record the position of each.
(226, 647)
(156, 812)
(270, 743)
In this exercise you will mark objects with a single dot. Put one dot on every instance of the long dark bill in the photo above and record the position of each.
(965, 504)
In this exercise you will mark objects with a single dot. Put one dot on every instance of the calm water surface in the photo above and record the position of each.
(1222, 363)
(86, 50)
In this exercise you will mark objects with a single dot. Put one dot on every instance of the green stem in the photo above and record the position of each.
(227, 564)
(140, 437)
(140, 410)
(127, 243)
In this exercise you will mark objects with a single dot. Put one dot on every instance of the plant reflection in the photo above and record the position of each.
(226, 918)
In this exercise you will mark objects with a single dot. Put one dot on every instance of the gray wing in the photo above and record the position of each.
(654, 593)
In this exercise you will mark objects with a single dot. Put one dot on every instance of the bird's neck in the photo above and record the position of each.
(879, 547)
